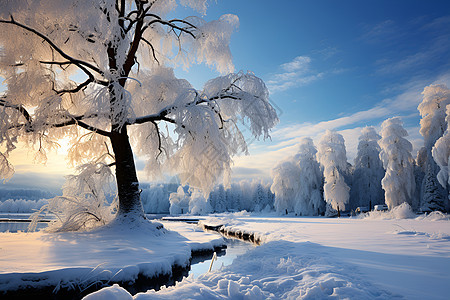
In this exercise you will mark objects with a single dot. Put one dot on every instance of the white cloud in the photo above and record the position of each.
(299, 64)
(294, 73)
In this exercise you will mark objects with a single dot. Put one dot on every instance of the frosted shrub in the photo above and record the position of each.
(243, 195)
(155, 197)
(86, 201)
(402, 211)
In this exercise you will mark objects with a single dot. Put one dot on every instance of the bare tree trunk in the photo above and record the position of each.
(130, 205)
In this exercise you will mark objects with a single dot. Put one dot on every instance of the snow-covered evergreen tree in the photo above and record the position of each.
(441, 155)
(368, 171)
(217, 199)
(332, 156)
(260, 198)
(309, 200)
(432, 127)
(398, 182)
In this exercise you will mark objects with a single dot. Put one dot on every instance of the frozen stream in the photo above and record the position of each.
(234, 248)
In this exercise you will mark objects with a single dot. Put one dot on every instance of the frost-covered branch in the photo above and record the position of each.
(19, 108)
(79, 63)
(83, 125)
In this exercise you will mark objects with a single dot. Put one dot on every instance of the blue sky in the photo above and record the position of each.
(338, 65)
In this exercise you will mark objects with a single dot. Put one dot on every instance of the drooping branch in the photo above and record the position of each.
(158, 134)
(84, 66)
(75, 120)
(151, 47)
(19, 108)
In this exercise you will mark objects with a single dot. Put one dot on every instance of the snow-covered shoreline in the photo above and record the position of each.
(41, 260)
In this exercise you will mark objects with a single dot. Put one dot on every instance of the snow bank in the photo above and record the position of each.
(435, 216)
(403, 211)
(114, 292)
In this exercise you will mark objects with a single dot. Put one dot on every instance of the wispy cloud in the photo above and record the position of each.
(433, 52)
(295, 73)
(420, 44)
(385, 30)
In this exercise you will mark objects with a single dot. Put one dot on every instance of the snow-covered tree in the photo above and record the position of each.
(368, 171)
(333, 157)
(441, 154)
(179, 202)
(285, 186)
(155, 197)
(217, 199)
(309, 200)
(398, 181)
(432, 127)
(260, 198)
(100, 73)
(198, 205)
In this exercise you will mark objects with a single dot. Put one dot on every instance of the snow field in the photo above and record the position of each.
(323, 258)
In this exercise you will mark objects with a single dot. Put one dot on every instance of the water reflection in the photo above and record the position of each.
(225, 257)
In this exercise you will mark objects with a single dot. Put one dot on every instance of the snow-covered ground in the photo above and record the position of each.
(114, 253)
(378, 257)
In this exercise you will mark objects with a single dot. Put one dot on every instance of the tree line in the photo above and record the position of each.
(321, 181)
